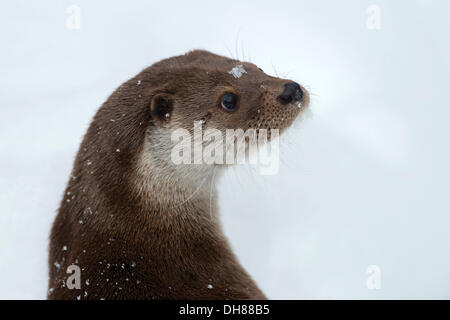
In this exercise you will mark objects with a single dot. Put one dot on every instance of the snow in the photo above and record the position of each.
(237, 71)
(365, 182)
(57, 265)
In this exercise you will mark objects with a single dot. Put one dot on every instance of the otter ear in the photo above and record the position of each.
(161, 107)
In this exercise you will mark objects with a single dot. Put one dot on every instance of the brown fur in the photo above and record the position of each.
(132, 221)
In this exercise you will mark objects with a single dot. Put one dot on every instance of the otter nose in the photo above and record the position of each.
(292, 93)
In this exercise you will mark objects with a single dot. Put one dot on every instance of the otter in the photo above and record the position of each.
(135, 224)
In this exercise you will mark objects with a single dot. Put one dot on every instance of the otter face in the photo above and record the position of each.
(224, 94)
(220, 95)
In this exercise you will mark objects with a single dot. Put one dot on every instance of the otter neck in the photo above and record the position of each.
(183, 189)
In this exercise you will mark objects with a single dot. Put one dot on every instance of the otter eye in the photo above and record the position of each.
(229, 102)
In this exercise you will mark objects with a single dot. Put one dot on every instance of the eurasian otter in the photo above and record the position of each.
(139, 226)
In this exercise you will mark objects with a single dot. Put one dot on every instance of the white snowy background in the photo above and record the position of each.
(365, 182)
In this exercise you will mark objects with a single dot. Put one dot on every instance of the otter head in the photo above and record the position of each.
(202, 98)
(223, 93)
